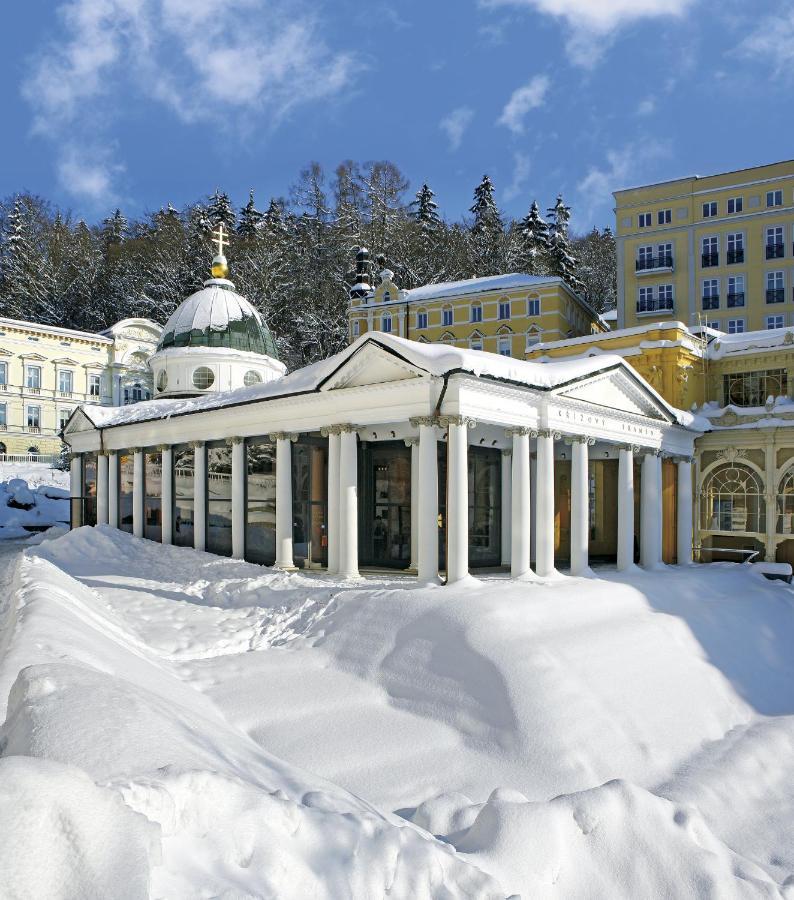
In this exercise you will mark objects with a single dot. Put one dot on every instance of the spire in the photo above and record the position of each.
(220, 268)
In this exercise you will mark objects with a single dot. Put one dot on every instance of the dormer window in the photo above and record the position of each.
(387, 296)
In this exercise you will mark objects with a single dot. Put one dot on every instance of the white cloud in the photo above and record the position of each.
(522, 100)
(455, 124)
(592, 22)
(87, 172)
(772, 40)
(646, 107)
(521, 167)
(231, 64)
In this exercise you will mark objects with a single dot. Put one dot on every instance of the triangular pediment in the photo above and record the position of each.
(618, 390)
(77, 422)
(371, 364)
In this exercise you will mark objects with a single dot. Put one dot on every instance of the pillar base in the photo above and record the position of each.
(587, 572)
(631, 568)
(285, 567)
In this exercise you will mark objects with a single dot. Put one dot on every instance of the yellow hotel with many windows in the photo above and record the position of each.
(716, 249)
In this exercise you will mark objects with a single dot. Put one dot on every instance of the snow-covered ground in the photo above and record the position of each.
(32, 496)
(181, 725)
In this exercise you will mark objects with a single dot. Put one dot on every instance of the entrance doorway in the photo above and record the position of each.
(385, 518)
(310, 502)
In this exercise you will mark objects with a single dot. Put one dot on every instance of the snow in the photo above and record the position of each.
(213, 307)
(32, 497)
(749, 342)
(620, 736)
(435, 359)
(506, 282)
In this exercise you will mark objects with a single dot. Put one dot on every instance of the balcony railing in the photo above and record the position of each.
(735, 256)
(775, 295)
(64, 393)
(711, 302)
(736, 299)
(34, 429)
(774, 251)
(710, 259)
(656, 304)
(648, 263)
(32, 389)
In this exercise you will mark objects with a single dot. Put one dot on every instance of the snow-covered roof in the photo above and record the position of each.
(478, 286)
(434, 359)
(215, 310)
(749, 341)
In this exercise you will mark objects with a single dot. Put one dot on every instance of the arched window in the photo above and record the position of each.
(385, 323)
(785, 504)
(447, 338)
(504, 345)
(34, 450)
(475, 341)
(476, 312)
(533, 336)
(732, 499)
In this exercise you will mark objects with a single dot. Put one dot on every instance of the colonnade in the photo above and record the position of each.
(520, 529)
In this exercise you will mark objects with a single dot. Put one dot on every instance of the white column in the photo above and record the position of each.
(413, 443)
(102, 489)
(239, 478)
(167, 493)
(137, 492)
(76, 489)
(533, 505)
(199, 495)
(507, 505)
(684, 513)
(580, 508)
(284, 558)
(427, 501)
(334, 447)
(457, 498)
(544, 524)
(348, 502)
(625, 509)
(113, 489)
(650, 512)
(520, 509)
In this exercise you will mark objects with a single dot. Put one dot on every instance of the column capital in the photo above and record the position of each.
(196, 445)
(347, 428)
(580, 439)
(135, 450)
(634, 449)
(411, 441)
(461, 421)
(327, 430)
(507, 451)
(416, 421)
(546, 433)
(283, 436)
(518, 431)
(683, 459)
(161, 448)
(231, 441)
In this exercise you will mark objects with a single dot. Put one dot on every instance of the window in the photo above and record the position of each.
(715, 325)
(203, 378)
(735, 205)
(504, 309)
(665, 255)
(447, 338)
(421, 320)
(711, 254)
(162, 380)
(475, 341)
(735, 326)
(774, 322)
(356, 328)
(664, 216)
(251, 378)
(733, 500)
(774, 243)
(736, 290)
(385, 323)
(65, 381)
(710, 209)
(775, 292)
(665, 296)
(533, 337)
(3, 416)
(387, 297)
(504, 345)
(446, 315)
(735, 248)
(774, 198)
(752, 388)
(476, 312)
(34, 418)
(33, 377)
(533, 306)
(3, 375)
(711, 293)
(63, 418)
(94, 382)
(645, 220)
(644, 258)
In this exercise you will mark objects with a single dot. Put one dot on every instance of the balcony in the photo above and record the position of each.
(710, 259)
(711, 302)
(656, 305)
(654, 263)
(735, 256)
(65, 394)
(736, 299)
(775, 295)
(34, 429)
(30, 389)
(774, 251)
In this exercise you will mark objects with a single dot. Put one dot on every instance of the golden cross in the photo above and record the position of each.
(219, 237)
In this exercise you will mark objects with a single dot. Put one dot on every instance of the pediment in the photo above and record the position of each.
(77, 422)
(617, 390)
(371, 364)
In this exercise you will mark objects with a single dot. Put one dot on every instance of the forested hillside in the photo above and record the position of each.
(291, 258)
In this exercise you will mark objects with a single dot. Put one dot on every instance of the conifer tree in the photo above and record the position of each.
(487, 231)
(114, 229)
(250, 219)
(220, 209)
(21, 264)
(425, 209)
(533, 243)
(563, 262)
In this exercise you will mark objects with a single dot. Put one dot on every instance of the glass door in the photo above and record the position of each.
(385, 526)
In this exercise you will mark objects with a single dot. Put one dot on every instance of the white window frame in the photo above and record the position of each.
(505, 310)
(29, 370)
(3, 415)
(736, 326)
(776, 280)
(504, 342)
(737, 203)
(94, 379)
(356, 327)
(421, 320)
(476, 342)
(664, 216)
(385, 319)
(775, 321)
(534, 336)
(645, 220)
(69, 375)
(475, 312)
(710, 290)
(774, 198)
(447, 316)
(533, 303)
(33, 408)
(710, 209)
(63, 418)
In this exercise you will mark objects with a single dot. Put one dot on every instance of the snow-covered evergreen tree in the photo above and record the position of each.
(533, 243)
(22, 266)
(487, 237)
(597, 268)
(563, 262)
(220, 209)
(250, 219)
(114, 228)
(424, 209)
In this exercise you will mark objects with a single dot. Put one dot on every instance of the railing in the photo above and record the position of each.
(736, 299)
(774, 251)
(647, 263)
(30, 389)
(3, 387)
(775, 295)
(746, 556)
(711, 302)
(64, 393)
(655, 305)
(33, 429)
(49, 459)
(735, 256)
(710, 259)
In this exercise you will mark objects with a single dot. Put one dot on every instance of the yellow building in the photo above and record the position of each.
(504, 314)
(46, 372)
(718, 247)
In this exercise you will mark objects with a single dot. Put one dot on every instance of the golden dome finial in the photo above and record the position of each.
(220, 268)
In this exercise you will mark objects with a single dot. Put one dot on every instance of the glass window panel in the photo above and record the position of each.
(309, 501)
(219, 499)
(125, 491)
(184, 460)
(260, 522)
(152, 497)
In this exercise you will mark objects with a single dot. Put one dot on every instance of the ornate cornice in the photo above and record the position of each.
(731, 454)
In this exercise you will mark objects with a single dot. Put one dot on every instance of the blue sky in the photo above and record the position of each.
(141, 102)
